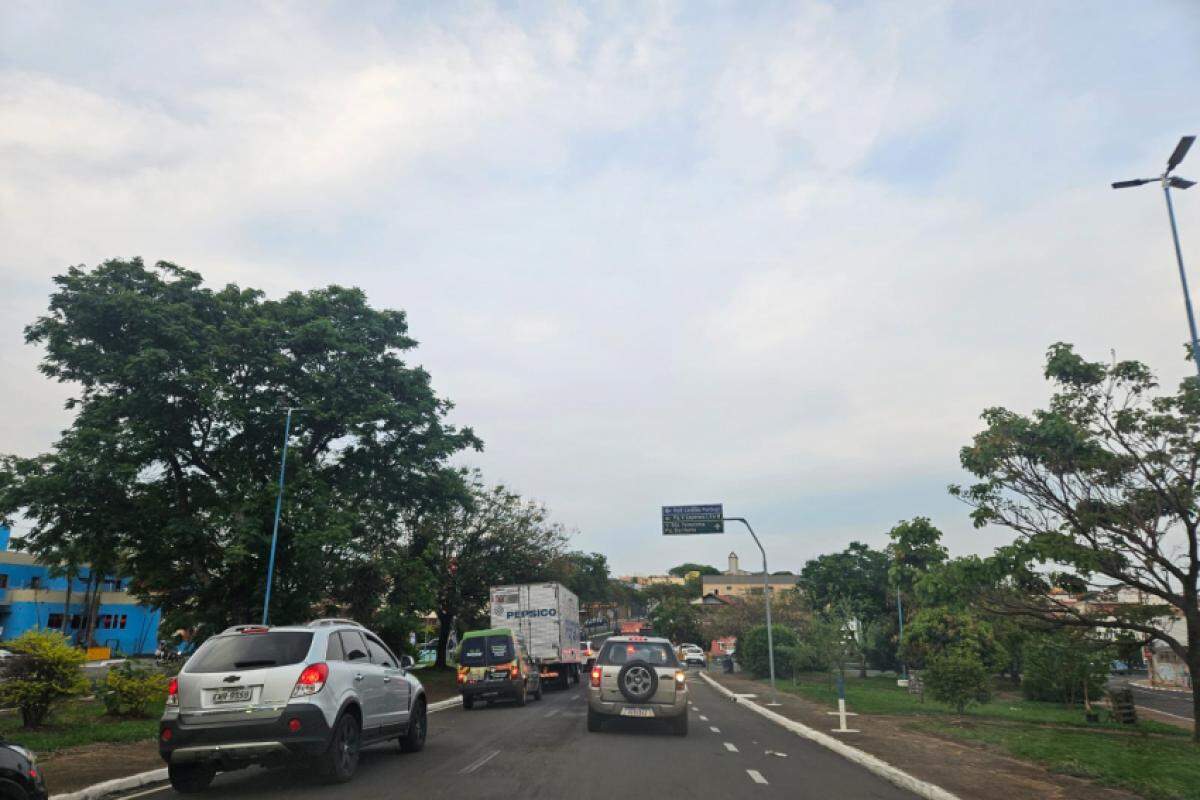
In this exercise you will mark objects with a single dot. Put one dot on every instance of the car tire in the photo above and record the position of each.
(190, 778)
(468, 702)
(414, 740)
(521, 696)
(595, 722)
(340, 760)
(639, 669)
(679, 725)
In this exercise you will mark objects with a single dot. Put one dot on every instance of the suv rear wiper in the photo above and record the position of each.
(266, 662)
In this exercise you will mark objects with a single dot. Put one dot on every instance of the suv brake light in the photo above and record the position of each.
(173, 692)
(311, 680)
(680, 677)
(596, 677)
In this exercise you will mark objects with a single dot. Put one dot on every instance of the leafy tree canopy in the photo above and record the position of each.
(857, 576)
(682, 570)
(171, 462)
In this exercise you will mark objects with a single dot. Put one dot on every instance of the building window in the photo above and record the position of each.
(55, 621)
(3, 581)
(35, 582)
(124, 619)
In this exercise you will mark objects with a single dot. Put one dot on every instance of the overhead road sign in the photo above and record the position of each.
(689, 520)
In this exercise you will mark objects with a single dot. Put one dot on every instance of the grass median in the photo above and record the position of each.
(1151, 758)
(79, 722)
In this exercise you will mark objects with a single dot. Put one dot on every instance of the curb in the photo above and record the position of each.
(864, 759)
(1165, 689)
(97, 791)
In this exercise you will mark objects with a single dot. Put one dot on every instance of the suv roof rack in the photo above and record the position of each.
(244, 628)
(324, 621)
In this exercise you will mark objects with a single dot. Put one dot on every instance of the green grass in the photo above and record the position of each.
(79, 722)
(1150, 758)
(881, 695)
(1153, 766)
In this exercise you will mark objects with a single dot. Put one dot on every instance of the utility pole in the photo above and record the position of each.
(287, 430)
(767, 600)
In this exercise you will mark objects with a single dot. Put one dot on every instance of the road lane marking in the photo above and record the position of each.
(756, 776)
(552, 712)
(143, 794)
(1168, 713)
(476, 765)
(714, 729)
(703, 718)
(731, 747)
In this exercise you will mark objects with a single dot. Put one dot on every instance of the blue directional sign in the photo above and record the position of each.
(689, 520)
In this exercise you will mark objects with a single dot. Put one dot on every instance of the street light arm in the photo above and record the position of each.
(766, 602)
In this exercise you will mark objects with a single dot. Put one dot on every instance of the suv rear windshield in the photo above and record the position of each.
(655, 653)
(479, 651)
(242, 651)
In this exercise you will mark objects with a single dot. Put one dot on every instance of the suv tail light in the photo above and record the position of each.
(173, 692)
(680, 676)
(311, 680)
(514, 672)
(596, 672)
(463, 672)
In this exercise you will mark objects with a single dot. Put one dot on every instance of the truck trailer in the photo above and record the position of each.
(545, 616)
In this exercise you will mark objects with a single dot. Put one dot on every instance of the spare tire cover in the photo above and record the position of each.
(637, 681)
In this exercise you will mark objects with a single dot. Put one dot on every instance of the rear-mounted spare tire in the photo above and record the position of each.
(638, 681)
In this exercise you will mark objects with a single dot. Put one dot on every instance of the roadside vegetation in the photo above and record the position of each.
(81, 722)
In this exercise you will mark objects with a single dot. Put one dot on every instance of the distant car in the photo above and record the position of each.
(587, 654)
(693, 655)
(1120, 668)
(492, 665)
(315, 693)
(20, 776)
(637, 677)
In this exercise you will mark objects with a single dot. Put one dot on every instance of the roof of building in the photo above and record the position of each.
(747, 579)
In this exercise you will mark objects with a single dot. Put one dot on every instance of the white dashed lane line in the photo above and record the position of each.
(731, 747)
(756, 776)
(477, 764)
(703, 718)
(714, 729)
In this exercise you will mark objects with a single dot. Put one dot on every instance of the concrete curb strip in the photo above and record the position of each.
(101, 790)
(865, 760)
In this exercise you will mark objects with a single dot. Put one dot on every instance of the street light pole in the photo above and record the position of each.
(1187, 297)
(767, 599)
(287, 429)
(1170, 182)
(900, 610)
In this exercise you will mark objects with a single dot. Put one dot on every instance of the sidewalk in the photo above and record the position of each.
(972, 773)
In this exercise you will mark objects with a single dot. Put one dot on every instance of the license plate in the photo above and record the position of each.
(500, 675)
(637, 712)
(231, 696)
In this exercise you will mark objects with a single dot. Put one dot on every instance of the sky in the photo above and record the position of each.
(774, 255)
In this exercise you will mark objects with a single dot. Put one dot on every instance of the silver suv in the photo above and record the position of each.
(638, 677)
(262, 695)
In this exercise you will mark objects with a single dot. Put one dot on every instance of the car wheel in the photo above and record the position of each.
(418, 726)
(12, 791)
(468, 702)
(679, 725)
(190, 778)
(637, 681)
(340, 760)
(595, 721)
(521, 696)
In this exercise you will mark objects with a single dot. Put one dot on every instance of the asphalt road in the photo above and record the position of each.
(1175, 704)
(545, 751)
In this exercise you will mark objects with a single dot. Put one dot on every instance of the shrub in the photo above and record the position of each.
(958, 677)
(128, 690)
(752, 650)
(1060, 664)
(44, 669)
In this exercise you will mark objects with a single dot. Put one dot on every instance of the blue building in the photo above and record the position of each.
(31, 599)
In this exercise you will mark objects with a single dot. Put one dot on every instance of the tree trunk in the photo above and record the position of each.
(445, 621)
(87, 601)
(1194, 669)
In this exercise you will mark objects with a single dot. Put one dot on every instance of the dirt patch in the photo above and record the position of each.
(968, 770)
(76, 767)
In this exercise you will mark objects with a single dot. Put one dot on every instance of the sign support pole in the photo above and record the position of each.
(767, 600)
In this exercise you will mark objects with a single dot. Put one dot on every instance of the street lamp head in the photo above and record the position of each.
(1134, 182)
(1180, 183)
(1181, 150)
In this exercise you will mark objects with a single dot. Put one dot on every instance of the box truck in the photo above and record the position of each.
(546, 618)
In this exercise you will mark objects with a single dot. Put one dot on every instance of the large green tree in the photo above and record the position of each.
(495, 537)
(171, 462)
(585, 574)
(857, 576)
(1100, 486)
